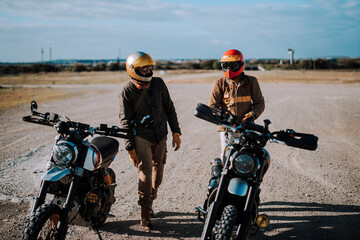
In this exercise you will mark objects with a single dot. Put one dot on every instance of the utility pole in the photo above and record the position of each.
(42, 55)
(119, 54)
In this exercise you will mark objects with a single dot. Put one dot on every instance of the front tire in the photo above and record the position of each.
(227, 222)
(43, 223)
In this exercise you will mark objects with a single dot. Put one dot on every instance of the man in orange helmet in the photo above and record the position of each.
(147, 96)
(236, 92)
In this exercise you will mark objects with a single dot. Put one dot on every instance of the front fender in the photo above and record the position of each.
(238, 186)
(55, 174)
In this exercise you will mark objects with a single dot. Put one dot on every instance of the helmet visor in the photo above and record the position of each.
(145, 68)
(145, 71)
(233, 66)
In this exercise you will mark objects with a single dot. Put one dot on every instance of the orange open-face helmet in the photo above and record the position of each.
(232, 63)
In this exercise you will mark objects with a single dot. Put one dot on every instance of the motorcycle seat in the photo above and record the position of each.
(107, 146)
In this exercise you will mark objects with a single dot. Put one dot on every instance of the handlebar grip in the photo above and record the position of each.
(254, 127)
(103, 127)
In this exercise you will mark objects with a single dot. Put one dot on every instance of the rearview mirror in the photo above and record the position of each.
(34, 106)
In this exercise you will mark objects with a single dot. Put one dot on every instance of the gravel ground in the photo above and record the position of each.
(307, 194)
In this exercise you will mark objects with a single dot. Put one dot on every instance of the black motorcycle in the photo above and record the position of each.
(78, 177)
(230, 210)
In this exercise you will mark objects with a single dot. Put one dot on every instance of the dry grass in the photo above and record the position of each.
(11, 97)
(190, 76)
(65, 78)
(15, 96)
(318, 77)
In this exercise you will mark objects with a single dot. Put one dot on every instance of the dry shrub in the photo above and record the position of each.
(12, 97)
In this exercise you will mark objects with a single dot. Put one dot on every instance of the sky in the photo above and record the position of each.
(171, 29)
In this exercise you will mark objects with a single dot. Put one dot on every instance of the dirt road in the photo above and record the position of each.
(308, 195)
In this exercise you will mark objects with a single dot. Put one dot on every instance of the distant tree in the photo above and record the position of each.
(322, 63)
(114, 66)
(168, 65)
(123, 66)
(79, 68)
(100, 66)
(216, 65)
(349, 63)
(40, 67)
(206, 64)
(306, 64)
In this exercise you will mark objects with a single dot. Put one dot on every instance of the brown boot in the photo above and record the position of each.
(145, 217)
(152, 213)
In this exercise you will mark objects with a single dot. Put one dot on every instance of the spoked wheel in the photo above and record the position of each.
(227, 222)
(43, 223)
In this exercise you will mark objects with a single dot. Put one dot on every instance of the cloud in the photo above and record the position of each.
(185, 30)
(219, 42)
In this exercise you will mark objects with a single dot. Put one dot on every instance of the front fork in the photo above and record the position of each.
(214, 208)
(64, 217)
(248, 209)
(42, 195)
(253, 192)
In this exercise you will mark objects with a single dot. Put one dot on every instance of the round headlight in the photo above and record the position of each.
(64, 152)
(244, 164)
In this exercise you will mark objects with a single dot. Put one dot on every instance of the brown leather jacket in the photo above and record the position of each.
(157, 103)
(238, 98)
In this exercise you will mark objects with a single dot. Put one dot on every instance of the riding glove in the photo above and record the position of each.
(250, 116)
(134, 158)
(176, 141)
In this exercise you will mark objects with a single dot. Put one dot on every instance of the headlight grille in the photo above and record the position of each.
(64, 153)
(245, 164)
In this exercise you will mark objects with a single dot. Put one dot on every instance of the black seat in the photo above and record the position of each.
(107, 146)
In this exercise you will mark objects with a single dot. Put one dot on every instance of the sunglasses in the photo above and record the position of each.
(233, 66)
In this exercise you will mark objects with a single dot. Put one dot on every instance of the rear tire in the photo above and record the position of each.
(227, 222)
(103, 214)
(43, 223)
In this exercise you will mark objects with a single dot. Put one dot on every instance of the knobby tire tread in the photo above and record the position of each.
(38, 219)
(227, 222)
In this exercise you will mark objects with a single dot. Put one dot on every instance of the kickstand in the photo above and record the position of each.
(98, 232)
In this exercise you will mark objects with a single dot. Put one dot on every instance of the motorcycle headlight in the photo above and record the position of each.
(245, 164)
(64, 152)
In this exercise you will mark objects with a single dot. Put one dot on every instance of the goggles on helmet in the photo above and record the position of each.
(145, 68)
(233, 66)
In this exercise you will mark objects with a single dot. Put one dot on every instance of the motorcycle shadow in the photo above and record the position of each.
(310, 221)
(166, 224)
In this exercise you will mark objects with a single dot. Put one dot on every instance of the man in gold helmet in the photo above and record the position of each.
(236, 92)
(145, 101)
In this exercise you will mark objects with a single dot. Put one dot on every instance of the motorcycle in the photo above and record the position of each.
(78, 177)
(230, 210)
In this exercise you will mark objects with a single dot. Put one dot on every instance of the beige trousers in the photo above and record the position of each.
(152, 157)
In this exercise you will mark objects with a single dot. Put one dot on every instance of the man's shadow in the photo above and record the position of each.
(166, 224)
(288, 221)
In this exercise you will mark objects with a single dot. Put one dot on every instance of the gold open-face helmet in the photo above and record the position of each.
(137, 61)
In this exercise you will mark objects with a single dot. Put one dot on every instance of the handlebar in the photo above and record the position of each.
(53, 120)
(228, 120)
